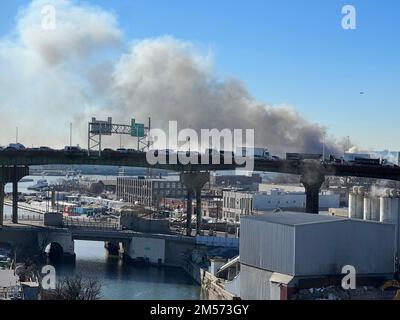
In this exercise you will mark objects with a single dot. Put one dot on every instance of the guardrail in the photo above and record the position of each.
(218, 241)
(26, 217)
(90, 223)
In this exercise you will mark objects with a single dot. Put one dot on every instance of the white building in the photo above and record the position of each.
(236, 203)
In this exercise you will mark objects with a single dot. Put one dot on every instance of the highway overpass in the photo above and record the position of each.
(15, 164)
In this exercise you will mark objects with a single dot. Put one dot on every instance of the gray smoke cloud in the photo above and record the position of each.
(86, 68)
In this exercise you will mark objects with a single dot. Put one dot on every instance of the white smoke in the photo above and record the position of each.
(79, 70)
(47, 75)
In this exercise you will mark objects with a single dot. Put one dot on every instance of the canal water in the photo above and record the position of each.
(120, 281)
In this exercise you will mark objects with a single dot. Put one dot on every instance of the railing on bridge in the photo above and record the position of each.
(91, 223)
(26, 217)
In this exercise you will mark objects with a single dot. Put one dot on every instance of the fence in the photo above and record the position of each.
(218, 241)
(90, 223)
(26, 217)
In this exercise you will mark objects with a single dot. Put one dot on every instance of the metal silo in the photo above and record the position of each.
(384, 206)
(352, 204)
(367, 207)
(375, 208)
(360, 203)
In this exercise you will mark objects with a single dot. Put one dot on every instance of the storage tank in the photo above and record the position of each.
(352, 205)
(360, 203)
(384, 206)
(367, 207)
(394, 216)
(375, 208)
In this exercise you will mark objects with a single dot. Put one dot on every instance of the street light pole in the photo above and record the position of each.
(70, 134)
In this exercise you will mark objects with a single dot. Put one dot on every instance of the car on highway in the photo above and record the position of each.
(122, 150)
(44, 148)
(15, 147)
(108, 150)
(165, 152)
(72, 149)
(134, 151)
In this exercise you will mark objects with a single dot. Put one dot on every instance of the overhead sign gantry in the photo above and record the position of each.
(99, 128)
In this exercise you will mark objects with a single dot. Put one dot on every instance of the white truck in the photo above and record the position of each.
(256, 153)
(353, 156)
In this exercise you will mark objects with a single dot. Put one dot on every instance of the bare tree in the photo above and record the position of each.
(75, 288)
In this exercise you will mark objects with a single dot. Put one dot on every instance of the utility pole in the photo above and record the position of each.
(70, 134)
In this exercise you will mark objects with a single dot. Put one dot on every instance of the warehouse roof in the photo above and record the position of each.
(294, 218)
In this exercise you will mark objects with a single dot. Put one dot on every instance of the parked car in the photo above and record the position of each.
(122, 150)
(43, 148)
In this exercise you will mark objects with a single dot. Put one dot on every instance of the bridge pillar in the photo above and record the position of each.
(58, 238)
(1, 203)
(312, 184)
(189, 210)
(15, 196)
(12, 174)
(194, 181)
(198, 211)
(113, 248)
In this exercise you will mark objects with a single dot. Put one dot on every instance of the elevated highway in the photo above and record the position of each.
(28, 158)
(15, 164)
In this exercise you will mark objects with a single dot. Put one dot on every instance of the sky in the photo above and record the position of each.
(286, 53)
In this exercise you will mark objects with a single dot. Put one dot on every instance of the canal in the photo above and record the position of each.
(119, 280)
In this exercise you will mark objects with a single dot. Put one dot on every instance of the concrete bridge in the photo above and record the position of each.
(159, 249)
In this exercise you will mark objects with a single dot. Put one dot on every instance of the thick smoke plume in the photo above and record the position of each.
(86, 68)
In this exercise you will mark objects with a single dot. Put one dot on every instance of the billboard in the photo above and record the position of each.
(101, 127)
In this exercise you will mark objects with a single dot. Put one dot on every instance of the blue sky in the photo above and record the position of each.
(287, 52)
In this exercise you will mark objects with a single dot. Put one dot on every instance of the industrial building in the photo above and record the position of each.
(239, 203)
(282, 253)
(148, 192)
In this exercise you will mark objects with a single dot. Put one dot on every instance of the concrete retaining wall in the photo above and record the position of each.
(213, 288)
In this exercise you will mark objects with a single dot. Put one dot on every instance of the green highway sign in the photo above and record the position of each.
(137, 129)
